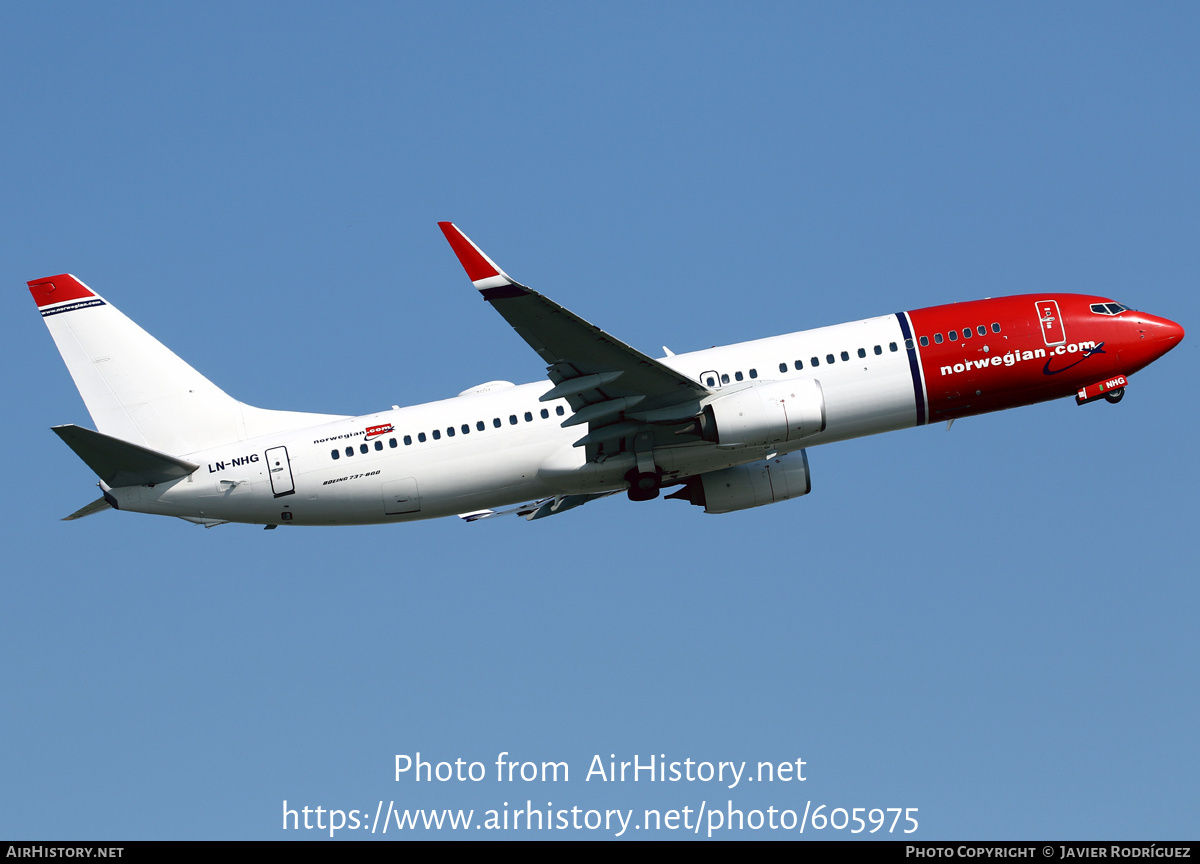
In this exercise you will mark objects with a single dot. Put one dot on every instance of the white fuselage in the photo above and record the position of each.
(435, 460)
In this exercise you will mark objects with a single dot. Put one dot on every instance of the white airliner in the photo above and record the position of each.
(729, 425)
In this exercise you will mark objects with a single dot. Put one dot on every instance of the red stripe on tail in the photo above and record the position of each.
(58, 289)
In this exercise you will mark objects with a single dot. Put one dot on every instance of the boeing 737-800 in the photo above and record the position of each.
(729, 426)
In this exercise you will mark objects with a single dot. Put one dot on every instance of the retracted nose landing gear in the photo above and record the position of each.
(1112, 389)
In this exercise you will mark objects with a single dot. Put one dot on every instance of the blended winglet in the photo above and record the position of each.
(539, 509)
(483, 272)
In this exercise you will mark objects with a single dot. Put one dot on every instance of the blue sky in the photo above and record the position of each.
(995, 625)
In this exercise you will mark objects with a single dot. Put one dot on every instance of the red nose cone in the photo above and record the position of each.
(1162, 334)
(1164, 331)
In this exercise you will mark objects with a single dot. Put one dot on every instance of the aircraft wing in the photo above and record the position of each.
(607, 383)
(539, 509)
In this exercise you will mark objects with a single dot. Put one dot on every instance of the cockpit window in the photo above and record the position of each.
(1109, 308)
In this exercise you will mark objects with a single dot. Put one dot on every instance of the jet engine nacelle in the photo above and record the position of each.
(744, 486)
(767, 414)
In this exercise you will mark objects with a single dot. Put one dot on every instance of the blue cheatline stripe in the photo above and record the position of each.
(918, 390)
(71, 307)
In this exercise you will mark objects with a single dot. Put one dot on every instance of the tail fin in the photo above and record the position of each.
(134, 387)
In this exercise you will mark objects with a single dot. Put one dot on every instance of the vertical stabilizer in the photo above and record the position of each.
(137, 389)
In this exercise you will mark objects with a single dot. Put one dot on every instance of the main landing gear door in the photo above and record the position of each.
(280, 468)
(400, 496)
(1052, 326)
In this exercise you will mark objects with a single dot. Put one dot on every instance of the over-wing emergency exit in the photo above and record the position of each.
(728, 427)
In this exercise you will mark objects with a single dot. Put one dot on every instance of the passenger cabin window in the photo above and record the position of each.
(449, 431)
(782, 367)
(893, 347)
(937, 337)
(878, 349)
(981, 330)
(924, 341)
(845, 356)
(724, 377)
(753, 373)
(828, 358)
(814, 361)
(437, 434)
(799, 365)
(407, 440)
(862, 352)
(908, 343)
(953, 334)
(996, 327)
(545, 413)
(421, 437)
(496, 422)
(966, 332)
(737, 376)
(512, 419)
(392, 443)
(710, 381)
(336, 455)
(349, 451)
(528, 416)
(558, 410)
(466, 428)
(378, 445)
(480, 425)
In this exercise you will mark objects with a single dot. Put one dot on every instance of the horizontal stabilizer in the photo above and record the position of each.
(95, 507)
(120, 463)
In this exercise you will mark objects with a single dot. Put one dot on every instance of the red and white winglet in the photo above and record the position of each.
(481, 270)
